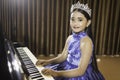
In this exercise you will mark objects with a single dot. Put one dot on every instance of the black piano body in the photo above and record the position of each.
(4, 71)
(7, 60)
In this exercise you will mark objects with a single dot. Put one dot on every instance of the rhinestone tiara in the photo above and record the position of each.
(82, 7)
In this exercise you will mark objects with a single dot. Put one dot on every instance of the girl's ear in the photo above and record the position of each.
(88, 23)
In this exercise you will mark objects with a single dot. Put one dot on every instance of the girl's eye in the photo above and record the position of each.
(72, 19)
(79, 19)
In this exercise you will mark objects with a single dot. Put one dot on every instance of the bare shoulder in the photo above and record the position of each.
(86, 42)
(67, 41)
(69, 37)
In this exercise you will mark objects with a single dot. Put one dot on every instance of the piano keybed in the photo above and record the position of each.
(28, 61)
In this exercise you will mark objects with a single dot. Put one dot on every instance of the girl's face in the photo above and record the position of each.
(78, 22)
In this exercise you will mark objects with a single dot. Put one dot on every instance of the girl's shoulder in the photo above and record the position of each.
(69, 37)
(86, 40)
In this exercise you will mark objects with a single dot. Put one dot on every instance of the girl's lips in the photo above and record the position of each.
(75, 27)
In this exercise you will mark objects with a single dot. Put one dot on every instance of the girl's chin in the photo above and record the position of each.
(77, 31)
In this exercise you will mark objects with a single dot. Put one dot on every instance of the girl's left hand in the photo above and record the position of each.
(48, 71)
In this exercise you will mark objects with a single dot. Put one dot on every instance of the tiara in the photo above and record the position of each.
(82, 7)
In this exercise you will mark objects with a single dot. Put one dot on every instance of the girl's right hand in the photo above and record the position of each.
(42, 62)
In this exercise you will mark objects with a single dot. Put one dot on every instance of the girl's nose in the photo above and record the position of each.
(75, 23)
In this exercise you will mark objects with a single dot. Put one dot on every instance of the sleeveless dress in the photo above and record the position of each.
(73, 60)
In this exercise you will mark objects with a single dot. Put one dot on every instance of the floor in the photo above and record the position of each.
(109, 66)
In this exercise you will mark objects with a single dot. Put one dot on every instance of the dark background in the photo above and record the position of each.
(43, 25)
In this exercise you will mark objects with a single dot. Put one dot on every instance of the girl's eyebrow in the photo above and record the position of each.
(80, 18)
(77, 17)
(72, 17)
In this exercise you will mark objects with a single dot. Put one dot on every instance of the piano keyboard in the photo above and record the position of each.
(29, 60)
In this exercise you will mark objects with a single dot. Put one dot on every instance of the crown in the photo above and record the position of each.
(82, 7)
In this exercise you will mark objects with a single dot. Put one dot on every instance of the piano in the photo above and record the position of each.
(18, 62)
(24, 63)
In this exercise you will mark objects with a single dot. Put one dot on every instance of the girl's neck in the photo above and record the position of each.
(79, 32)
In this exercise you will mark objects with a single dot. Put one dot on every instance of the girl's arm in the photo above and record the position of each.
(86, 53)
(62, 57)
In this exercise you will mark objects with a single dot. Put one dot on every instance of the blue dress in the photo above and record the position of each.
(73, 60)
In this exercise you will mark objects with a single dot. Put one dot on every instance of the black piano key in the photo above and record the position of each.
(21, 51)
(22, 54)
(27, 62)
(35, 74)
(32, 71)
(25, 59)
(30, 66)
(41, 79)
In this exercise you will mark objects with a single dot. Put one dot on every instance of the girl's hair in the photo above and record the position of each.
(94, 62)
(88, 30)
(83, 12)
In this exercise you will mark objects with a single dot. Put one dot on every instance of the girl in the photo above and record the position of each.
(76, 60)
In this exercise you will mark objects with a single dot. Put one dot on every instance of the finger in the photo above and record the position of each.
(43, 64)
(46, 71)
(38, 63)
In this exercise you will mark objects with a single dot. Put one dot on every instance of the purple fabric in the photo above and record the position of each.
(73, 60)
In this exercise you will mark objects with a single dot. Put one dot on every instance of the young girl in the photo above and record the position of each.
(76, 60)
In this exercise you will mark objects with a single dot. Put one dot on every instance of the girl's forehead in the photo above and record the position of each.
(77, 14)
